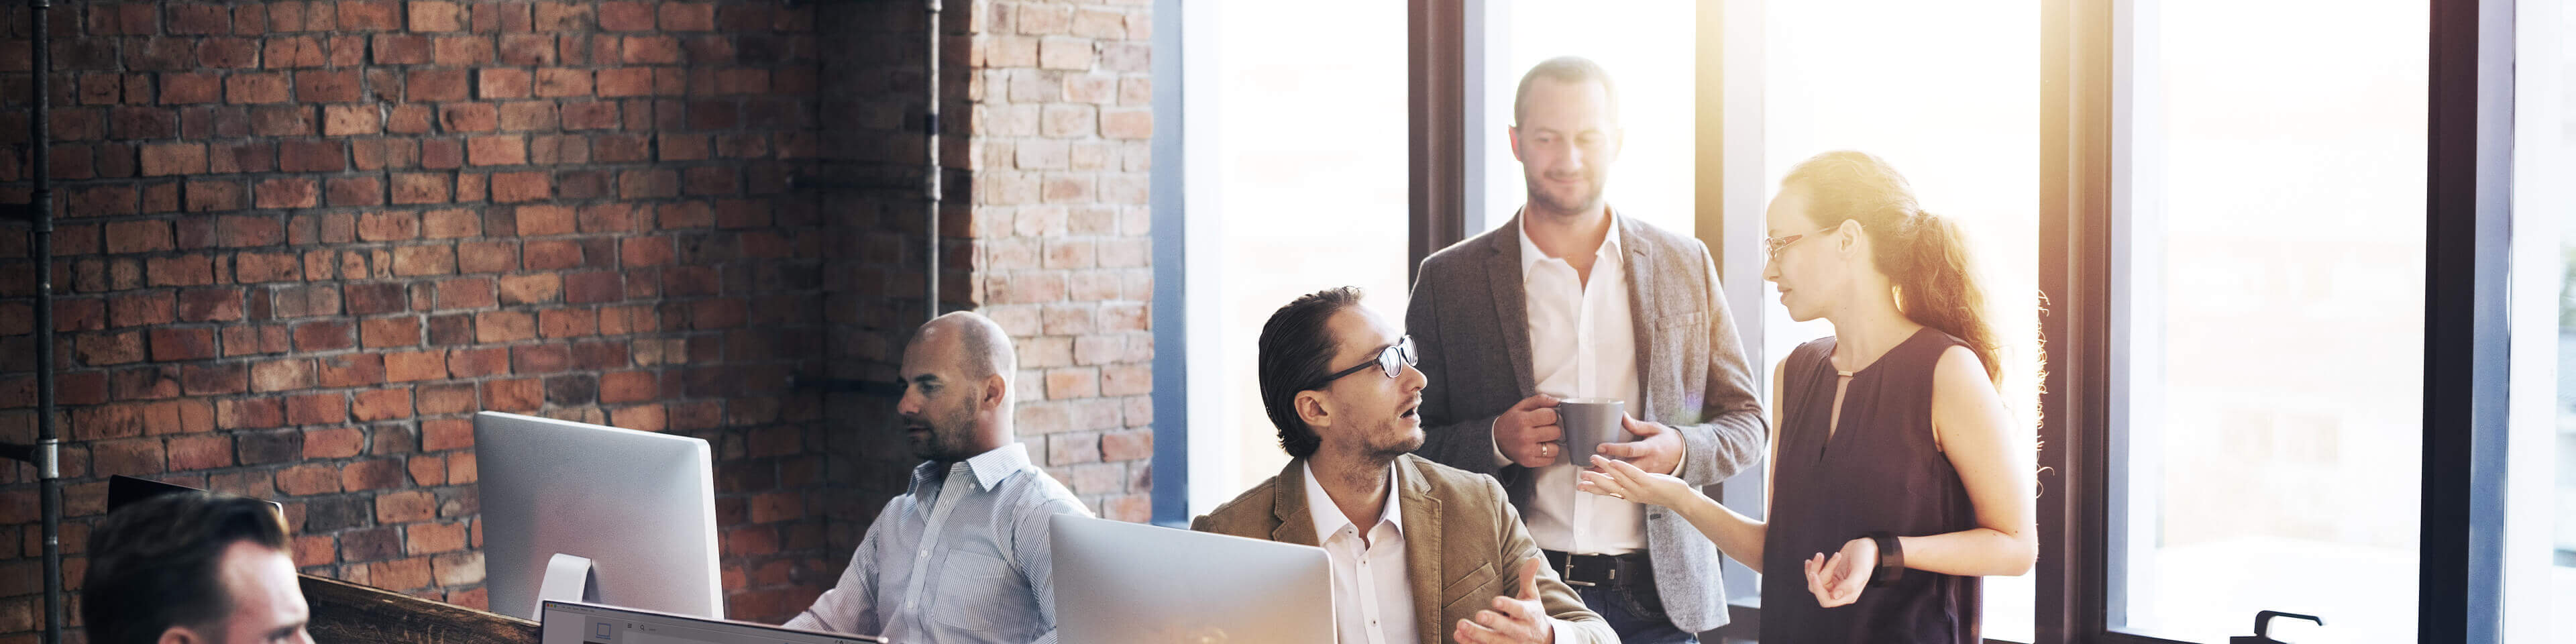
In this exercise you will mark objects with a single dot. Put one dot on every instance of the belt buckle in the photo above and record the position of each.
(1568, 573)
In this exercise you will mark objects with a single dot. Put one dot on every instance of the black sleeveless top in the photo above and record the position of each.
(1879, 472)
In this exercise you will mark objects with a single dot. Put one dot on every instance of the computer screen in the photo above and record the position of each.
(574, 623)
(639, 505)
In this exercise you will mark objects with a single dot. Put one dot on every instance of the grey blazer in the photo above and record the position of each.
(1470, 318)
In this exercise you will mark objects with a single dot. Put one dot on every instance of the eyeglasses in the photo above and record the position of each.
(1771, 246)
(1390, 360)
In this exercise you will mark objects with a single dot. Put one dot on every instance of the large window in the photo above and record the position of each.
(1947, 93)
(2271, 455)
(2540, 538)
(1647, 49)
(1297, 184)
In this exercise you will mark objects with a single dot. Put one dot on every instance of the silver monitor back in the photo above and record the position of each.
(640, 505)
(1127, 583)
(577, 623)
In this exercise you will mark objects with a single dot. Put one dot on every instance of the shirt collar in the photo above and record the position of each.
(1531, 255)
(990, 468)
(1328, 517)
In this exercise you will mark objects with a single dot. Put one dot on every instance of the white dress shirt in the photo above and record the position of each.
(960, 559)
(1582, 345)
(1372, 598)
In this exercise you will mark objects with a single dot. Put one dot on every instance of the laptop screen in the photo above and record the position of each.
(570, 623)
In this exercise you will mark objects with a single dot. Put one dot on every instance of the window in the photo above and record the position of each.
(1297, 184)
(1947, 93)
(1647, 49)
(2540, 534)
(2271, 454)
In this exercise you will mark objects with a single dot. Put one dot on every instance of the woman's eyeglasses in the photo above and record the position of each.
(1771, 246)
(1390, 360)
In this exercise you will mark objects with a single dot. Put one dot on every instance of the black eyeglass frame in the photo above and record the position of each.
(1392, 360)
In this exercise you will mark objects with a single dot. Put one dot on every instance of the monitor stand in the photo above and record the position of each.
(569, 578)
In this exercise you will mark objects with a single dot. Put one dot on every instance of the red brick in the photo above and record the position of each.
(517, 116)
(184, 270)
(434, 85)
(402, 49)
(567, 323)
(137, 309)
(504, 326)
(254, 268)
(530, 289)
(204, 196)
(381, 404)
(182, 344)
(324, 335)
(308, 480)
(650, 50)
(354, 191)
(463, 293)
(325, 155)
(255, 88)
(432, 538)
(443, 154)
(628, 387)
(372, 474)
(370, 16)
(486, 256)
(227, 53)
(593, 287)
(460, 51)
(334, 442)
(469, 117)
(400, 575)
(414, 261)
(642, 418)
(200, 452)
(519, 394)
(562, 16)
(174, 158)
(625, 16)
(314, 409)
(444, 399)
(625, 81)
(261, 230)
(210, 305)
(199, 18)
(415, 365)
(388, 226)
(497, 150)
(501, 82)
(512, 187)
(288, 192)
(293, 51)
(137, 236)
(435, 16)
(317, 86)
(511, 17)
(350, 370)
(557, 82)
(369, 299)
(401, 331)
(408, 119)
(412, 188)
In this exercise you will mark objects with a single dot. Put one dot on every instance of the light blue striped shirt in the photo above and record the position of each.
(961, 558)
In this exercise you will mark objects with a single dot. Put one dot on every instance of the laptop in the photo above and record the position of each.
(576, 623)
(1130, 583)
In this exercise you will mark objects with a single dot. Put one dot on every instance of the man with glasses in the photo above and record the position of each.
(1417, 549)
(1568, 300)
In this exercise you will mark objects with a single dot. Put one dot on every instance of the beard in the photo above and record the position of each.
(942, 438)
(1584, 198)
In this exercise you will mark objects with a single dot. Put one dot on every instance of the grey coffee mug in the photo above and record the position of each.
(1589, 422)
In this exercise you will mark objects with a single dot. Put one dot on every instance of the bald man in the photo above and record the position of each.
(962, 556)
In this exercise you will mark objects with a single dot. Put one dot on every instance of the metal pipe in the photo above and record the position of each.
(930, 174)
(48, 440)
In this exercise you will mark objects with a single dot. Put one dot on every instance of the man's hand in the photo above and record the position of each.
(1838, 580)
(1519, 619)
(1528, 434)
(1658, 449)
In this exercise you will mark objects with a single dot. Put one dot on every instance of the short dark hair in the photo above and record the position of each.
(1565, 69)
(1297, 347)
(152, 565)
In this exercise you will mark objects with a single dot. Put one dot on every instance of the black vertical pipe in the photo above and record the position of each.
(930, 172)
(48, 441)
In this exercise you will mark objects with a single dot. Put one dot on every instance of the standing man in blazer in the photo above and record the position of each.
(1569, 299)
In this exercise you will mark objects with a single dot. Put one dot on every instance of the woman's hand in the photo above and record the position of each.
(1618, 479)
(1839, 580)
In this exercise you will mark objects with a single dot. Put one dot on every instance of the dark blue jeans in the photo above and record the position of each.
(1634, 612)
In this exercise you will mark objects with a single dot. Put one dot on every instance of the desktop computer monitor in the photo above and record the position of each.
(1117, 583)
(639, 506)
(574, 623)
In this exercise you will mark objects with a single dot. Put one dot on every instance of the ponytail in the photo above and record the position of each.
(1924, 254)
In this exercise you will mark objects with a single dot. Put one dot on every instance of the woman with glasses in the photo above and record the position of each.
(1898, 478)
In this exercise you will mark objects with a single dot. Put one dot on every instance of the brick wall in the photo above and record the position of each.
(301, 242)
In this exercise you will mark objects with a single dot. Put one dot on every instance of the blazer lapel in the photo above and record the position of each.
(1288, 505)
(1511, 300)
(1641, 306)
(1422, 549)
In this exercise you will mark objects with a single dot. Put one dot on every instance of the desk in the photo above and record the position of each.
(346, 613)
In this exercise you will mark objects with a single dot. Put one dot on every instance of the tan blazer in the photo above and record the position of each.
(1462, 539)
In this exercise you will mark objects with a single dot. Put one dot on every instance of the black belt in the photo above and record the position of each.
(1598, 570)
